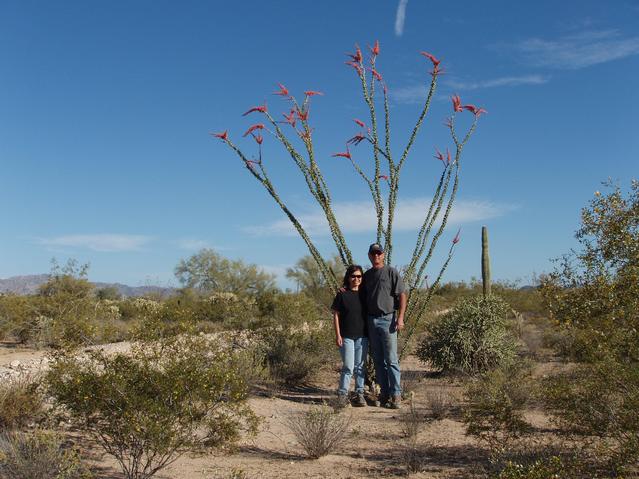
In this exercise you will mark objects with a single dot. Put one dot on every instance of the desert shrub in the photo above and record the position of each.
(21, 403)
(595, 291)
(471, 338)
(319, 430)
(149, 406)
(411, 421)
(17, 316)
(439, 402)
(600, 401)
(495, 402)
(545, 468)
(38, 455)
(295, 357)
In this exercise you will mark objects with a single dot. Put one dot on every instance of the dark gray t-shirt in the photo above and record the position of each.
(382, 288)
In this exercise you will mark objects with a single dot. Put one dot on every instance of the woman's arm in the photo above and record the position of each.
(338, 336)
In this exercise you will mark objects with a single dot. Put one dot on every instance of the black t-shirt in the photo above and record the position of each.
(352, 322)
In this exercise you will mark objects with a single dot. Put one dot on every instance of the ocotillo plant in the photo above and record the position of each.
(295, 134)
(485, 261)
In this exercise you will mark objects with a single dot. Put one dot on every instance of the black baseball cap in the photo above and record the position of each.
(375, 247)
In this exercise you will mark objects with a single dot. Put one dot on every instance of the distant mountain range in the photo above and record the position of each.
(29, 284)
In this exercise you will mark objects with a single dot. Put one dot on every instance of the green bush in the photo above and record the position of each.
(548, 468)
(162, 399)
(21, 403)
(600, 401)
(495, 402)
(471, 338)
(38, 455)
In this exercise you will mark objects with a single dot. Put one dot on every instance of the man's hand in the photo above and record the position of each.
(339, 341)
(400, 323)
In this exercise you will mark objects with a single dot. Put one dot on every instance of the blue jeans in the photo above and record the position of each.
(354, 363)
(382, 333)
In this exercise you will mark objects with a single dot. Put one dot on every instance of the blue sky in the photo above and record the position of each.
(107, 108)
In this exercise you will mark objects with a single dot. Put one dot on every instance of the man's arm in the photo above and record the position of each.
(401, 311)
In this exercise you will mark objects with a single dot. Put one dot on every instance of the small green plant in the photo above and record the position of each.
(546, 468)
(319, 430)
(21, 403)
(471, 338)
(149, 406)
(38, 455)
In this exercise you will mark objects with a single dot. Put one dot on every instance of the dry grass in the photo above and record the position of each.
(21, 403)
(319, 430)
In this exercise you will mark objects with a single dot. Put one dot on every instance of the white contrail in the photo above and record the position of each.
(400, 17)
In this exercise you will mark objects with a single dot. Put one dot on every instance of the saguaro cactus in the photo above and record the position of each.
(485, 261)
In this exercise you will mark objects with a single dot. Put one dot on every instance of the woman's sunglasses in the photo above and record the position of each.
(356, 276)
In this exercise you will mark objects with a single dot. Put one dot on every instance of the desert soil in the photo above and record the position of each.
(375, 445)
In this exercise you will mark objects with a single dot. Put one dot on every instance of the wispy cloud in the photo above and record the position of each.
(409, 94)
(192, 244)
(580, 50)
(98, 242)
(400, 17)
(359, 217)
(498, 82)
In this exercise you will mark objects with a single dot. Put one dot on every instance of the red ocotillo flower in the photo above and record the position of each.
(440, 156)
(383, 177)
(283, 91)
(357, 56)
(312, 93)
(301, 115)
(357, 139)
(222, 136)
(476, 111)
(456, 238)
(448, 122)
(457, 106)
(260, 108)
(290, 118)
(258, 126)
(359, 122)
(375, 48)
(347, 154)
(376, 74)
(432, 58)
(258, 138)
(356, 66)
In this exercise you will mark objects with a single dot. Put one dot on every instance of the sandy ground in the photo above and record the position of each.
(375, 444)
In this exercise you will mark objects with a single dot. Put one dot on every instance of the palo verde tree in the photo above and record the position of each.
(381, 171)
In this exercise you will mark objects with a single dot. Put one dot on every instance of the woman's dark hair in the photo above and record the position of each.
(350, 270)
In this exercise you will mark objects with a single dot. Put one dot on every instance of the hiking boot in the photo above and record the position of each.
(381, 401)
(395, 402)
(342, 401)
(359, 400)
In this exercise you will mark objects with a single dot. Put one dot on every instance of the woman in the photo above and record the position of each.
(349, 320)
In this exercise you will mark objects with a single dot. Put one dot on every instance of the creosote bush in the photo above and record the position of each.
(149, 406)
(21, 403)
(319, 430)
(471, 338)
(39, 455)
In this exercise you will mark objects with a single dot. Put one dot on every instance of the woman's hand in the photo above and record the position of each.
(339, 341)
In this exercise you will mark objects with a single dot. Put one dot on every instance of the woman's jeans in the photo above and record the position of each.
(354, 363)
(382, 332)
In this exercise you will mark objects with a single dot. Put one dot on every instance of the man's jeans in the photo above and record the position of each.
(354, 363)
(382, 333)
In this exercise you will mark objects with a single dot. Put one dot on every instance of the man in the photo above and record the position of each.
(384, 293)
